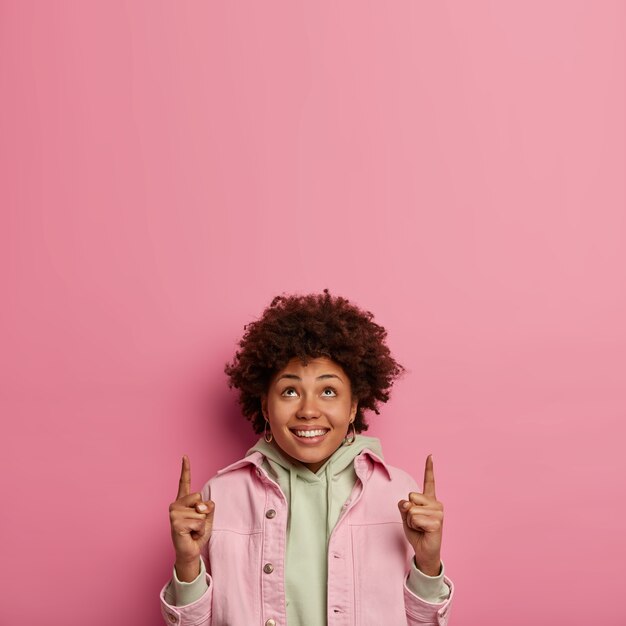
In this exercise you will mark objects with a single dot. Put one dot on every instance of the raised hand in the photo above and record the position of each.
(191, 522)
(422, 517)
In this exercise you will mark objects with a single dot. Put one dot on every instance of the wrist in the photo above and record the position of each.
(187, 571)
(430, 568)
(186, 561)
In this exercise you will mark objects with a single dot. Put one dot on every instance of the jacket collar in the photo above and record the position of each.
(364, 463)
(367, 461)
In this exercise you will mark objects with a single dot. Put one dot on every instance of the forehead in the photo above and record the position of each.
(313, 368)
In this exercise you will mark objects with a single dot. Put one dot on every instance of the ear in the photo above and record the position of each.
(264, 405)
(353, 408)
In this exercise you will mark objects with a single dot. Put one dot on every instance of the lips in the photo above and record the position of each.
(312, 434)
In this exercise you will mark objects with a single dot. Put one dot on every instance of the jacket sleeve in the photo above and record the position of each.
(198, 611)
(420, 612)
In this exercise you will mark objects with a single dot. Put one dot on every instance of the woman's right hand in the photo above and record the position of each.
(191, 522)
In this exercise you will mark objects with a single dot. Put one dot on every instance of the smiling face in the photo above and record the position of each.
(309, 409)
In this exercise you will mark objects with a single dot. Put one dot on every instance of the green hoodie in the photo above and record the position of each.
(315, 501)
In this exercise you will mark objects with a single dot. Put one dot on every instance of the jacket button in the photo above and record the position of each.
(172, 618)
(270, 514)
(270, 622)
(268, 568)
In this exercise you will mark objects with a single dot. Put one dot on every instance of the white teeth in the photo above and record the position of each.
(309, 433)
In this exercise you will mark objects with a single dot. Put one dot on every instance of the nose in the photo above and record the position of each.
(308, 408)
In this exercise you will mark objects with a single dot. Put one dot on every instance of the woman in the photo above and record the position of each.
(311, 527)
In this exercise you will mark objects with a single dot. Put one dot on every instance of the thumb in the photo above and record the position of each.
(207, 506)
(404, 506)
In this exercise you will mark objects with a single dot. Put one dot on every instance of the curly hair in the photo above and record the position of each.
(311, 326)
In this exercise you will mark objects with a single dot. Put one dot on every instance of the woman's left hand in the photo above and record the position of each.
(422, 517)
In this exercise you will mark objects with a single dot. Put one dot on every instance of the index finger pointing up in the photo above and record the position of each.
(184, 485)
(429, 478)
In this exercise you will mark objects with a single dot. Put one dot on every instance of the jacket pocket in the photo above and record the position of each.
(235, 562)
(381, 562)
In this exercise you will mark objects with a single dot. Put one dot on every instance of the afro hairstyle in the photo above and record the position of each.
(311, 326)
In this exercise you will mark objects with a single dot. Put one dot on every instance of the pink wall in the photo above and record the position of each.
(455, 167)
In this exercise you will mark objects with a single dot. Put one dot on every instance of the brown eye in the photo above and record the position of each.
(286, 390)
(330, 389)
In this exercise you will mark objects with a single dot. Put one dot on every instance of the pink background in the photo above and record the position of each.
(455, 167)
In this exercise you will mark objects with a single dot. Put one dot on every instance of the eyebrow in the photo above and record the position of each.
(322, 377)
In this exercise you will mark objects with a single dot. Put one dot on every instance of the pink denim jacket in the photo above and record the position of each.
(368, 554)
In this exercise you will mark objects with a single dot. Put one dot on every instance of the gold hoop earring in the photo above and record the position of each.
(349, 441)
(265, 433)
